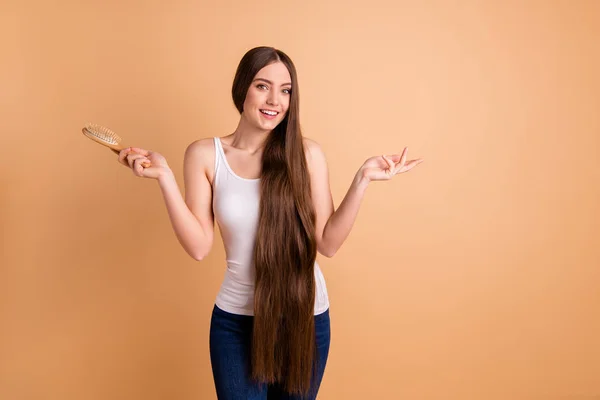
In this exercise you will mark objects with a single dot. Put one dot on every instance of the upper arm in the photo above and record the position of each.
(320, 190)
(198, 190)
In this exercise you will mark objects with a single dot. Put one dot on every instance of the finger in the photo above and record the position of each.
(138, 168)
(403, 157)
(122, 154)
(132, 157)
(141, 151)
(411, 164)
(390, 164)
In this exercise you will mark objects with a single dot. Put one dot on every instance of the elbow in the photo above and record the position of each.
(198, 255)
(200, 252)
(324, 248)
(327, 252)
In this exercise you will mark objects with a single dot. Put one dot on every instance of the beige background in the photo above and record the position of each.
(475, 276)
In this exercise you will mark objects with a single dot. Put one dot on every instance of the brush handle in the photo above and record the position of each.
(144, 164)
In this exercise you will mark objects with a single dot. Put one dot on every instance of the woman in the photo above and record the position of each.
(268, 187)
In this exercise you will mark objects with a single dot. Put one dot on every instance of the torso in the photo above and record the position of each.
(236, 207)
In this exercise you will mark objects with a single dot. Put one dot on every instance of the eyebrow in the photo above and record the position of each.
(269, 82)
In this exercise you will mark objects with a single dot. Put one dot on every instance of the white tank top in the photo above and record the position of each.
(236, 203)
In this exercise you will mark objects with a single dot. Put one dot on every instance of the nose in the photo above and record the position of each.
(273, 98)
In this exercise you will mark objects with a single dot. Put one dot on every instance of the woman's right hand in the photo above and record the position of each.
(133, 157)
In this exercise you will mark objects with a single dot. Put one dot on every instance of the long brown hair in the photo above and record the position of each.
(283, 337)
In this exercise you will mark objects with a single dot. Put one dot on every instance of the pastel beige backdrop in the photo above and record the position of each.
(475, 276)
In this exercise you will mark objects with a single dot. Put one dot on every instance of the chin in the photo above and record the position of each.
(269, 125)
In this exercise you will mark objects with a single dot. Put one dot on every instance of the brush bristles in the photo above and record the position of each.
(103, 133)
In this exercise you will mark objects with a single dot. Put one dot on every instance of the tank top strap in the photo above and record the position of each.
(219, 153)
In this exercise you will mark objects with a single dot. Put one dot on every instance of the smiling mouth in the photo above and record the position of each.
(269, 112)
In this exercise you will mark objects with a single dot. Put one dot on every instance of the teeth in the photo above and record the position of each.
(268, 112)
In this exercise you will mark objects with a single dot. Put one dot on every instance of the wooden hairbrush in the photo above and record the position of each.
(106, 137)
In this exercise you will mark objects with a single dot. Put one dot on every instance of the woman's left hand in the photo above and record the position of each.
(383, 168)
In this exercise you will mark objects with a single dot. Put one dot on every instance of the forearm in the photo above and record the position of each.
(340, 223)
(188, 229)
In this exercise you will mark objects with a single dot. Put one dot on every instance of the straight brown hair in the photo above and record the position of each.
(283, 336)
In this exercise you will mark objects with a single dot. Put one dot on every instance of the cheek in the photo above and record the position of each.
(286, 104)
(252, 99)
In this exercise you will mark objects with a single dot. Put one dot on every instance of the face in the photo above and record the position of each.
(268, 97)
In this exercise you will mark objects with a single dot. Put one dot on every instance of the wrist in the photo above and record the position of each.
(361, 180)
(165, 175)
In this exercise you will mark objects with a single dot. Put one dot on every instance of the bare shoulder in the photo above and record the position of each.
(200, 156)
(314, 153)
(309, 143)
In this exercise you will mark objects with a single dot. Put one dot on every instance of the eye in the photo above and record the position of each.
(287, 91)
(261, 86)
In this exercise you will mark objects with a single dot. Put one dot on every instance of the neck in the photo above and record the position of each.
(247, 137)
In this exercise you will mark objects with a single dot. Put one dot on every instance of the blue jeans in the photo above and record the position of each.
(230, 338)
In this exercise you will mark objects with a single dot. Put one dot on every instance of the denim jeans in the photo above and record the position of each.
(230, 339)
